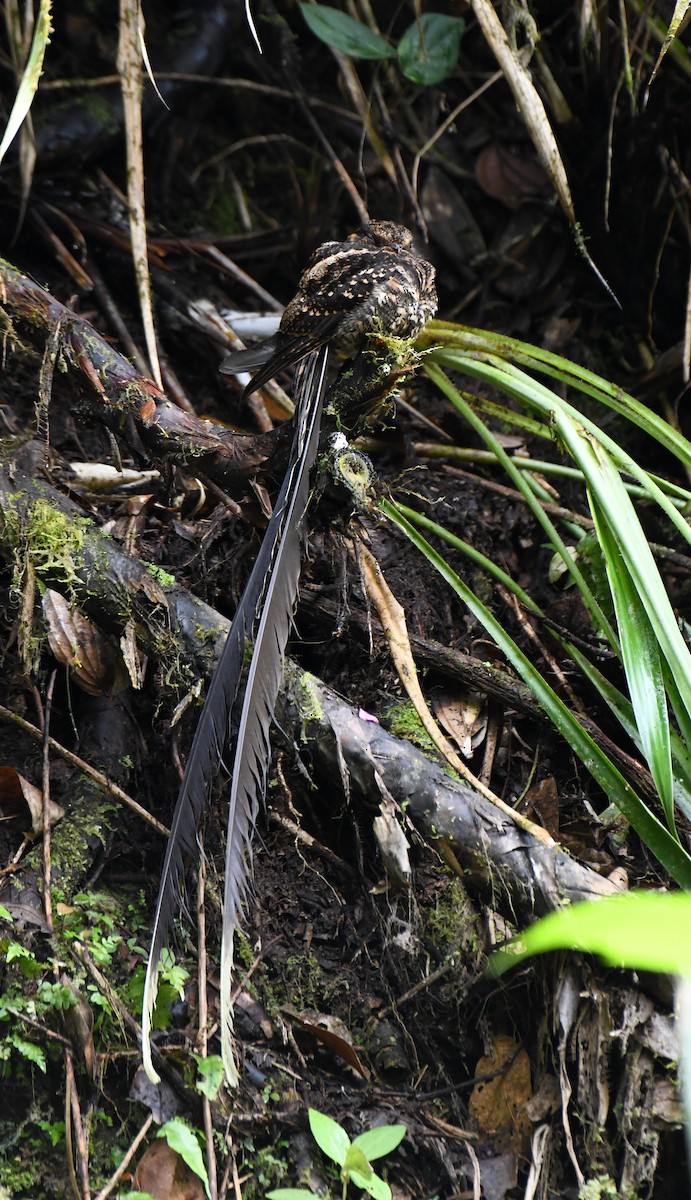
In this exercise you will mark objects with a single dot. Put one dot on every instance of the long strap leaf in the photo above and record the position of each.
(268, 596)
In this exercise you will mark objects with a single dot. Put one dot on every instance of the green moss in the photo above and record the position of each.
(305, 981)
(403, 721)
(308, 698)
(602, 1188)
(450, 920)
(163, 577)
(43, 535)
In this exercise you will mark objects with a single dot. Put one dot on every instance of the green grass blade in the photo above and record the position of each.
(461, 405)
(650, 829)
(605, 485)
(467, 340)
(643, 666)
(29, 82)
(522, 387)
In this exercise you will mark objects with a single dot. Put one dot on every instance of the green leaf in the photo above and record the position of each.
(640, 930)
(428, 50)
(344, 33)
(211, 1072)
(30, 78)
(5, 914)
(329, 1136)
(291, 1194)
(373, 1185)
(651, 830)
(16, 950)
(182, 1138)
(375, 1143)
(29, 1051)
(355, 1163)
(643, 665)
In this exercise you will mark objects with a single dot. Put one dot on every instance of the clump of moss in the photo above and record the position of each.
(45, 537)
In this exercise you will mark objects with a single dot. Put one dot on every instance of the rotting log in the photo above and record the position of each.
(117, 590)
(114, 393)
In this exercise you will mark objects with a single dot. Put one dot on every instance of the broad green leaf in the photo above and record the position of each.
(211, 1074)
(640, 930)
(5, 915)
(344, 33)
(329, 1136)
(355, 1163)
(291, 1194)
(375, 1143)
(373, 1185)
(30, 78)
(182, 1138)
(428, 50)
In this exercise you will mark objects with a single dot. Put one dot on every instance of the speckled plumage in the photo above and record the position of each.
(373, 282)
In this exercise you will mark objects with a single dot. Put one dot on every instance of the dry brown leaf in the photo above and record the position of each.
(498, 1106)
(19, 798)
(533, 112)
(165, 1175)
(464, 718)
(528, 100)
(393, 622)
(332, 1033)
(80, 646)
(508, 177)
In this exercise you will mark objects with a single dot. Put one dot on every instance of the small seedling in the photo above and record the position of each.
(354, 1158)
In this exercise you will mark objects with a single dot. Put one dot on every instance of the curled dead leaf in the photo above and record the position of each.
(498, 1105)
(19, 798)
(507, 177)
(80, 646)
(332, 1033)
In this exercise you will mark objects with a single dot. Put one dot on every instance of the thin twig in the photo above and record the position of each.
(47, 892)
(78, 1127)
(102, 780)
(202, 1036)
(126, 1159)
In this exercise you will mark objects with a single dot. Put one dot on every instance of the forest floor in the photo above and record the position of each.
(361, 993)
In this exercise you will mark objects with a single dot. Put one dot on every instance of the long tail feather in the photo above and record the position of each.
(248, 782)
(214, 723)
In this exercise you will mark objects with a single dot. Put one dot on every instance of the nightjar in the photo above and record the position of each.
(374, 282)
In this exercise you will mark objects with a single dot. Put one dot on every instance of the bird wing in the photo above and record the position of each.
(290, 349)
(248, 360)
